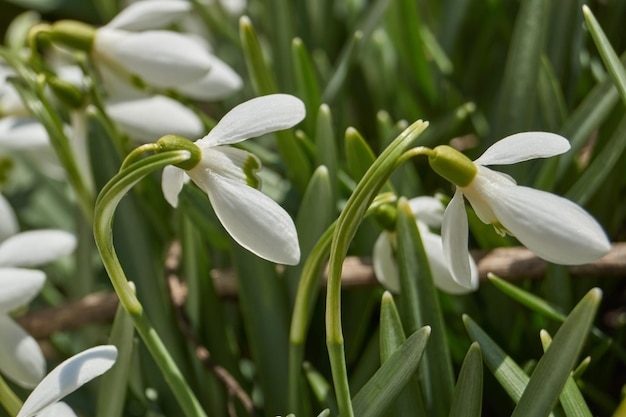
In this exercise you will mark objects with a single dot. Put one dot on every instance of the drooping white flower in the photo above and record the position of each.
(21, 359)
(160, 58)
(225, 173)
(554, 228)
(428, 212)
(67, 378)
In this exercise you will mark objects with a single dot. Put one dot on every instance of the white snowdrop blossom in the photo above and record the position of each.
(428, 212)
(554, 228)
(227, 175)
(21, 359)
(65, 379)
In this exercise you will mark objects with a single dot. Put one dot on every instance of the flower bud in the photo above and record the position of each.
(179, 143)
(452, 165)
(66, 92)
(386, 216)
(73, 34)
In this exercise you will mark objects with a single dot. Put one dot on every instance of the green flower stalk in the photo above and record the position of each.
(110, 196)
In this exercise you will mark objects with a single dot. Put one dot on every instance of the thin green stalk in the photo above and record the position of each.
(106, 204)
(308, 289)
(8, 399)
(347, 225)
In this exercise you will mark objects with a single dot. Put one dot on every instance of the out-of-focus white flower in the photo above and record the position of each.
(554, 228)
(65, 379)
(146, 118)
(160, 58)
(428, 212)
(155, 14)
(227, 175)
(21, 359)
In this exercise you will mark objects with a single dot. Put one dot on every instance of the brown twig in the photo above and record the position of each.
(512, 264)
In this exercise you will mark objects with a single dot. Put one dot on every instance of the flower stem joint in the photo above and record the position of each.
(178, 143)
(452, 165)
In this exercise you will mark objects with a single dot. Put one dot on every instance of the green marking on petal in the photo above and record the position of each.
(452, 165)
(250, 167)
(501, 230)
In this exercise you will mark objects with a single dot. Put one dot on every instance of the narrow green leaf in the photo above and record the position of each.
(420, 304)
(260, 71)
(326, 147)
(554, 367)
(468, 393)
(359, 155)
(298, 165)
(321, 388)
(405, 24)
(264, 310)
(609, 57)
(314, 216)
(537, 304)
(387, 383)
(600, 168)
(352, 49)
(508, 373)
(307, 85)
(518, 90)
(571, 398)
(112, 390)
(551, 100)
(410, 401)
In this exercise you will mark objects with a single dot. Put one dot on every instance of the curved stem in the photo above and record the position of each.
(347, 225)
(106, 204)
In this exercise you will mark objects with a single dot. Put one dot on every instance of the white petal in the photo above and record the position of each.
(21, 358)
(172, 183)
(148, 118)
(552, 227)
(59, 409)
(160, 58)
(36, 247)
(254, 220)
(384, 263)
(68, 377)
(221, 82)
(8, 224)
(18, 287)
(155, 14)
(439, 269)
(522, 147)
(454, 233)
(227, 161)
(22, 133)
(254, 118)
(427, 210)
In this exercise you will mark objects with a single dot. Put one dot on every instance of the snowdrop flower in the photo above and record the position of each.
(428, 212)
(65, 379)
(552, 227)
(20, 356)
(228, 177)
(160, 58)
